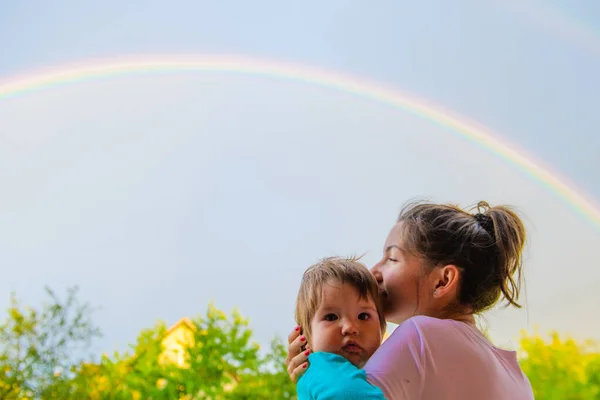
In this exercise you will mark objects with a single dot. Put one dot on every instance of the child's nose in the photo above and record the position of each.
(349, 327)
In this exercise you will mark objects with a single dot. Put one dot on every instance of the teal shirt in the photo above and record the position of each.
(332, 377)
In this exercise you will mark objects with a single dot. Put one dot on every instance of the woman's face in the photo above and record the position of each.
(402, 278)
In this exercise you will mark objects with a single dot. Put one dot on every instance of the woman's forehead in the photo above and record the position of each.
(394, 239)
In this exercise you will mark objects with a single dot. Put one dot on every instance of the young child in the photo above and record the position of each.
(339, 312)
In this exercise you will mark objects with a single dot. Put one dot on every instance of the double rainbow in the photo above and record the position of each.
(458, 125)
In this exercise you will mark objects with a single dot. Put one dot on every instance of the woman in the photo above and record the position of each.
(441, 266)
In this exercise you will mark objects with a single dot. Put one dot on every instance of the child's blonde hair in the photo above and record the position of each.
(334, 270)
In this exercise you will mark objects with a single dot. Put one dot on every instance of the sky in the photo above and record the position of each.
(158, 193)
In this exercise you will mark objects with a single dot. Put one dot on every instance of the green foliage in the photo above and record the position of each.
(271, 381)
(38, 349)
(218, 362)
(211, 357)
(561, 368)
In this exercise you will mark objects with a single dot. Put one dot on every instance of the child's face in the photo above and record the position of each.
(345, 324)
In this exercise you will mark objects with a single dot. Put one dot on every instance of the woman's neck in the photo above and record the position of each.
(468, 319)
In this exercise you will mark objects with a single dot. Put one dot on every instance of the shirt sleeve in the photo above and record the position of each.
(397, 367)
(332, 377)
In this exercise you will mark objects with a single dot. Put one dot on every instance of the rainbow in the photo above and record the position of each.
(558, 21)
(459, 125)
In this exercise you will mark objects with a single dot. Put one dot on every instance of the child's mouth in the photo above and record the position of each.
(352, 348)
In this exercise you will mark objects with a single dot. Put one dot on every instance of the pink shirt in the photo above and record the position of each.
(428, 358)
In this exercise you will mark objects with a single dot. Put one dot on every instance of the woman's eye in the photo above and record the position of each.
(392, 259)
(364, 316)
(330, 317)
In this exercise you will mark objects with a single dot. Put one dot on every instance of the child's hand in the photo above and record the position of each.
(297, 359)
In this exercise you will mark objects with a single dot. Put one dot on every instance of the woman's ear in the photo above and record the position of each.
(445, 280)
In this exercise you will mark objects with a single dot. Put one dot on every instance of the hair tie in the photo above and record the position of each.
(481, 218)
(486, 222)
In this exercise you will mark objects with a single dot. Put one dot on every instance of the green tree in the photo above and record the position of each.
(271, 381)
(39, 348)
(219, 362)
(561, 368)
(130, 375)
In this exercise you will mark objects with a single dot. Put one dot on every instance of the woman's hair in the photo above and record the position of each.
(485, 244)
(334, 270)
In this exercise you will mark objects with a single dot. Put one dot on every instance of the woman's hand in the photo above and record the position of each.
(297, 359)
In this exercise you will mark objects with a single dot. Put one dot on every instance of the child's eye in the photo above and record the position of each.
(364, 316)
(330, 317)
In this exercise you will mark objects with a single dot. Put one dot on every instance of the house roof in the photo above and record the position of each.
(185, 322)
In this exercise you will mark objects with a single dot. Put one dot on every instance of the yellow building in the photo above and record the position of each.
(175, 342)
(177, 338)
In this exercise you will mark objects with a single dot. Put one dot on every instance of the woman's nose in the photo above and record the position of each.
(376, 272)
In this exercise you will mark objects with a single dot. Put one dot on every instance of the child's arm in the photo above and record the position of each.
(332, 377)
